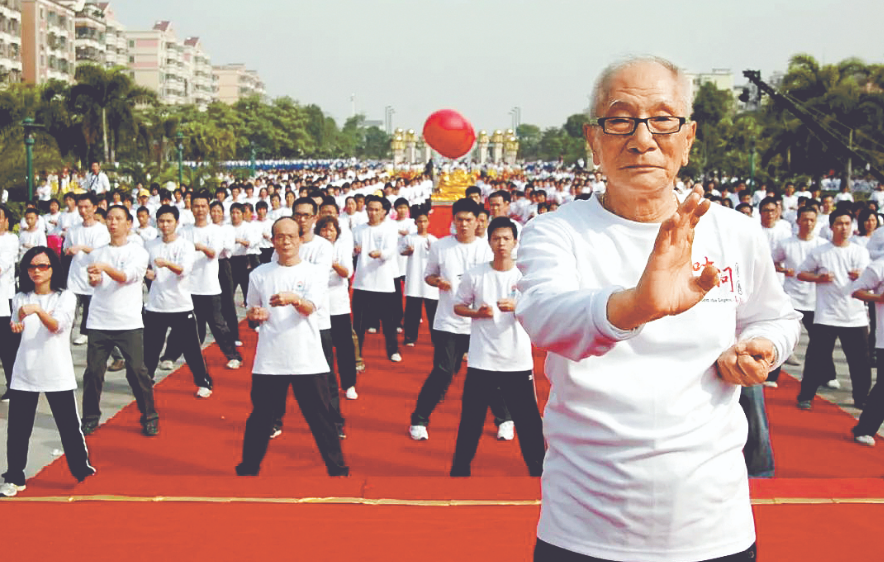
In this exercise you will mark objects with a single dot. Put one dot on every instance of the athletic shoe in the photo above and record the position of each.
(203, 392)
(833, 384)
(395, 358)
(506, 431)
(167, 365)
(117, 365)
(5, 397)
(804, 405)
(89, 427)
(237, 343)
(9, 489)
(372, 330)
(399, 330)
(341, 434)
(275, 432)
(418, 432)
(771, 384)
(409, 344)
(93, 471)
(866, 440)
(234, 364)
(792, 360)
(81, 340)
(351, 393)
(360, 367)
(151, 428)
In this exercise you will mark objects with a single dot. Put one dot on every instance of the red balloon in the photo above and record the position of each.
(449, 133)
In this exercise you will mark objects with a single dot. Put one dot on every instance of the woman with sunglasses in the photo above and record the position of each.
(43, 313)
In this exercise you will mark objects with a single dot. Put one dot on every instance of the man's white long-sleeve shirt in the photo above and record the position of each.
(645, 440)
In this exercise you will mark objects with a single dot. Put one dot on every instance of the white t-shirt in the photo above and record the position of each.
(790, 254)
(147, 234)
(834, 305)
(288, 343)
(264, 229)
(94, 237)
(872, 280)
(450, 259)
(170, 292)
(320, 252)
(68, 220)
(204, 277)
(375, 274)
(645, 457)
(117, 306)
(499, 343)
(43, 362)
(228, 237)
(28, 239)
(416, 266)
(8, 257)
(407, 226)
(339, 287)
(245, 231)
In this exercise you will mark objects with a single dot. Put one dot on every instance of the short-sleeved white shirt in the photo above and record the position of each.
(450, 259)
(204, 277)
(834, 304)
(790, 254)
(117, 306)
(170, 292)
(416, 266)
(95, 237)
(43, 362)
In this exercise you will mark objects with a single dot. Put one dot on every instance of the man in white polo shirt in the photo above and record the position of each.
(282, 299)
(169, 305)
(115, 273)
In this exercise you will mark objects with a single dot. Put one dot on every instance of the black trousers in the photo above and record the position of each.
(807, 321)
(345, 352)
(873, 414)
(9, 342)
(266, 255)
(131, 344)
(369, 304)
(413, 316)
(208, 311)
(819, 366)
(22, 412)
(545, 552)
(84, 301)
(228, 302)
(268, 397)
(448, 352)
(399, 313)
(479, 390)
(240, 266)
(183, 332)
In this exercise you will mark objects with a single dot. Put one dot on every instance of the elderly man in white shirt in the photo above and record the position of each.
(655, 312)
(96, 181)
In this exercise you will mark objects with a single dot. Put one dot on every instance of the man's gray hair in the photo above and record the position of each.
(603, 82)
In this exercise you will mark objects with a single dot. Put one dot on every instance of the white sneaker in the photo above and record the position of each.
(399, 330)
(9, 489)
(506, 431)
(275, 432)
(410, 344)
(867, 440)
(203, 392)
(771, 384)
(167, 365)
(395, 358)
(351, 393)
(234, 364)
(81, 340)
(418, 432)
(834, 384)
(237, 343)
(372, 331)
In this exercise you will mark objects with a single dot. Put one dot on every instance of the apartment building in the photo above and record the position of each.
(198, 66)
(156, 61)
(10, 41)
(115, 42)
(91, 29)
(234, 82)
(47, 40)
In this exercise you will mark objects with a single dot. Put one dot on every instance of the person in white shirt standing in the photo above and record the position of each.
(9, 340)
(96, 181)
(33, 235)
(373, 285)
(225, 276)
(418, 294)
(282, 300)
(833, 267)
(500, 354)
(116, 272)
(43, 315)
(449, 259)
(169, 304)
(80, 241)
(654, 312)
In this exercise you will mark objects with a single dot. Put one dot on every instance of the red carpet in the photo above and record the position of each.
(200, 443)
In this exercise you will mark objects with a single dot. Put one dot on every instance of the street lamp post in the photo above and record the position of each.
(180, 138)
(29, 127)
(252, 165)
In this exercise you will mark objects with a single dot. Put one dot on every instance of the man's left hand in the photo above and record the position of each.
(747, 363)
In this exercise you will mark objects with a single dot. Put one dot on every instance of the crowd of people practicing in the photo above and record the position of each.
(319, 259)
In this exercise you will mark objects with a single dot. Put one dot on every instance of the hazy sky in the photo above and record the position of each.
(484, 57)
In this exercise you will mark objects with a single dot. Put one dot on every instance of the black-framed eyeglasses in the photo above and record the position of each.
(303, 215)
(660, 125)
(39, 267)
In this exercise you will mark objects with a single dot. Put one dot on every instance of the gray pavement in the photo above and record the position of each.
(46, 445)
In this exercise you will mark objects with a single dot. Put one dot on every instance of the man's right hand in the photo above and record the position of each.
(443, 285)
(668, 285)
